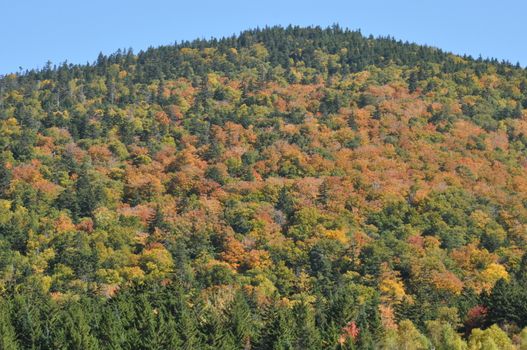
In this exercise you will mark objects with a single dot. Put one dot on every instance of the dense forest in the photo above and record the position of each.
(286, 188)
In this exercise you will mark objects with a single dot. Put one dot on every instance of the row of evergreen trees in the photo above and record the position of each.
(167, 317)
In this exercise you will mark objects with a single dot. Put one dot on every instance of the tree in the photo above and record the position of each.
(89, 191)
(412, 82)
(284, 188)
(407, 336)
(8, 339)
(78, 333)
(28, 324)
(444, 337)
(187, 327)
(148, 325)
(278, 330)
(219, 335)
(492, 338)
(112, 333)
(306, 333)
(507, 302)
(5, 174)
(240, 322)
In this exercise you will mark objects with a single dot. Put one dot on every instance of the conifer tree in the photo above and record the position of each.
(278, 330)
(8, 339)
(112, 334)
(307, 335)
(241, 322)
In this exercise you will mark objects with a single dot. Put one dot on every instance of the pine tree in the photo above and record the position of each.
(412, 82)
(78, 330)
(218, 334)
(89, 192)
(277, 330)
(240, 321)
(111, 331)
(7, 331)
(5, 174)
(169, 332)
(28, 323)
(187, 324)
(157, 221)
(306, 333)
(147, 323)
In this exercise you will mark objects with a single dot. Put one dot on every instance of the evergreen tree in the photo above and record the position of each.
(412, 82)
(219, 335)
(28, 323)
(157, 221)
(187, 325)
(89, 192)
(8, 339)
(278, 330)
(77, 329)
(112, 334)
(5, 174)
(169, 332)
(306, 333)
(146, 324)
(241, 322)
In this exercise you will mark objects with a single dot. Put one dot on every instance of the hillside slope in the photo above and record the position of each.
(288, 188)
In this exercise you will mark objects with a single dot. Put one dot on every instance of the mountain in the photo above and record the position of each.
(286, 188)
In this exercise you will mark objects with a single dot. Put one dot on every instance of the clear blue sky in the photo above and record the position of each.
(34, 31)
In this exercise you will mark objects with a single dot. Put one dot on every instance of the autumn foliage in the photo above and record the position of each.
(288, 188)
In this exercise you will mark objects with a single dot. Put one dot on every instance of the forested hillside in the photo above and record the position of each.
(287, 188)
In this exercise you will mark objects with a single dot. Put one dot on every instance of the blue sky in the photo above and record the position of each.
(34, 31)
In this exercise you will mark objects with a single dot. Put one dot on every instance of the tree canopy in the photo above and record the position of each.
(286, 188)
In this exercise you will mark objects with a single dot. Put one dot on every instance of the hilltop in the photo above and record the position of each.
(288, 188)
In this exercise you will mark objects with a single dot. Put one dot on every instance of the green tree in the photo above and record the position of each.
(444, 337)
(241, 322)
(8, 339)
(306, 333)
(492, 338)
